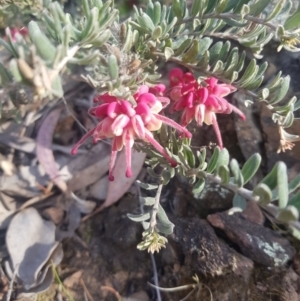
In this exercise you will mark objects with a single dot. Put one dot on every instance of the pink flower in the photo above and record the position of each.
(124, 123)
(200, 102)
(14, 31)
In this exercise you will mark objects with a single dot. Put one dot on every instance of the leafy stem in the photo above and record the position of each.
(232, 16)
(153, 220)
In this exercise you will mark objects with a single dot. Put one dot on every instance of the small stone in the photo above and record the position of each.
(204, 252)
(253, 214)
(258, 243)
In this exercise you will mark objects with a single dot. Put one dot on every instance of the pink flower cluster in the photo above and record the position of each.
(14, 31)
(124, 122)
(200, 101)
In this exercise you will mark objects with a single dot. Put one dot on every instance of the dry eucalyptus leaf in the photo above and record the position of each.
(5, 216)
(30, 242)
(44, 151)
(83, 205)
(28, 145)
(89, 167)
(73, 218)
(99, 189)
(120, 185)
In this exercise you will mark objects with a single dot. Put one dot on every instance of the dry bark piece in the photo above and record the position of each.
(258, 243)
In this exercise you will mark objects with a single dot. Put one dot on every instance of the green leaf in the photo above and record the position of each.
(295, 200)
(288, 214)
(146, 22)
(183, 47)
(5, 76)
(224, 174)
(196, 5)
(282, 183)
(198, 187)
(44, 47)
(213, 162)
(147, 201)
(281, 92)
(214, 52)
(293, 21)
(294, 184)
(113, 67)
(250, 167)
(168, 52)
(237, 174)
(223, 158)
(177, 10)
(156, 13)
(257, 7)
(163, 218)
(264, 193)
(221, 6)
(276, 10)
(192, 52)
(189, 155)
(146, 185)
(57, 88)
(239, 201)
(139, 217)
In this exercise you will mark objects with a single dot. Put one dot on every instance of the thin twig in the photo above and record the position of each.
(86, 290)
(112, 290)
(155, 274)
(11, 284)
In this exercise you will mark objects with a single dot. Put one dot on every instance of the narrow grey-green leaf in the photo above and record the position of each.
(295, 200)
(294, 184)
(212, 164)
(44, 47)
(237, 174)
(147, 201)
(139, 217)
(293, 21)
(264, 193)
(250, 167)
(146, 185)
(224, 174)
(282, 183)
(113, 67)
(198, 187)
(288, 214)
(162, 216)
(156, 13)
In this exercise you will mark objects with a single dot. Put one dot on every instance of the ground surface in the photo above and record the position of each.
(101, 261)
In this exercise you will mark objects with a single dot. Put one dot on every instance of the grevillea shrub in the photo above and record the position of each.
(134, 109)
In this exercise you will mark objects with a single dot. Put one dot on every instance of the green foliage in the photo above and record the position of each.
(120, 56)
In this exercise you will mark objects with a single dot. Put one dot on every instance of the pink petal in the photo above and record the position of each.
(158, 90)
(80, 142)
(164, 101)
(119, 123)
(99, 111)
(143, 110)
(138, 126)
(112, 165)
(126, 108)
(154, 124)
(217, 131)
(238, 111)
(142, 89)
(173, 124)
(148, 98)
(175, 76)
(199, 114)
(202, 95)
(113, 109)
(128, 155)
(106, 98)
